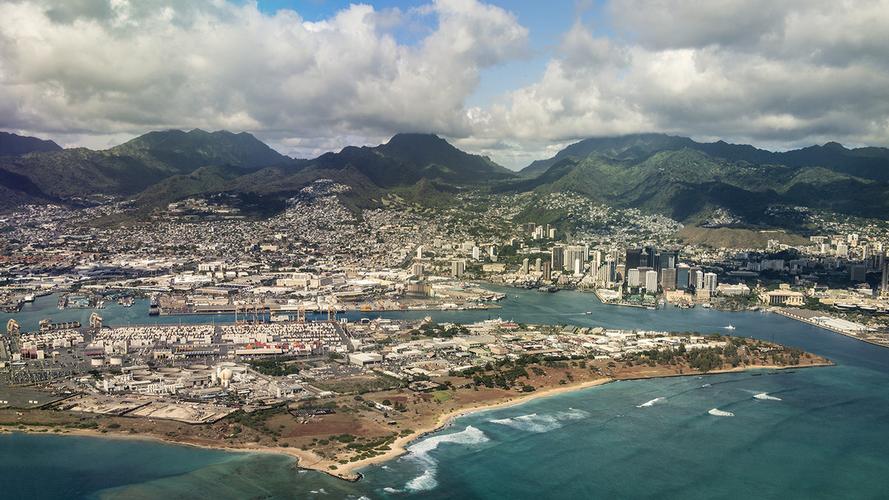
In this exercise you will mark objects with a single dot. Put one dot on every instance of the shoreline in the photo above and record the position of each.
(308, 460)
(795, 317)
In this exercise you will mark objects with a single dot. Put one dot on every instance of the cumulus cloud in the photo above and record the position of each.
(777, 74)
(110, 68)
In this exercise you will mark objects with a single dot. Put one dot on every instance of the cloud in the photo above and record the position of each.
(106, 68)
(777, 74)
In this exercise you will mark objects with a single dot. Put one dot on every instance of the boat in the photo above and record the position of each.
(588, 313)
(729, 327)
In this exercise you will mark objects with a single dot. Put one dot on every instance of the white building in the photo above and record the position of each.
(651, 281)
(710, 283)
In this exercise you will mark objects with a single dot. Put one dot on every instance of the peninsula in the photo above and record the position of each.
(340, 412)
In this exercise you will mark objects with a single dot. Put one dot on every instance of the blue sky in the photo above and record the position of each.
(546, 20)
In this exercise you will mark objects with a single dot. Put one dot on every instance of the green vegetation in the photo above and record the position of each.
(274, 367)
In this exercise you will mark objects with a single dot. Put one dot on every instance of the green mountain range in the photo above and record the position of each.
(867, 163)
(15, 145)
(129, 168)
(687, 180)
(672, 175)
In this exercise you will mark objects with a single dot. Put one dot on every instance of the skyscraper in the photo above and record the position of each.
(682, 272)
(575, 257)
(633, 278)
(710, 283)
(696, 278)
(858, 272)
(633, 258)
(558, 258)
(651, 281)
(884, 286)
(668, 278)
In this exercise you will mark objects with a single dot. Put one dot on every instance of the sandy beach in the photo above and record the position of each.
(306, 459)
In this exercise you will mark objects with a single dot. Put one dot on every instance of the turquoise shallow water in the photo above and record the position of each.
(826, 436)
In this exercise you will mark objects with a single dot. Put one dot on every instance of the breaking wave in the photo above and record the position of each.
(424, 482)
(651, 403)
(766, 396)
(534, 422)
(716, 412)
(420, 452)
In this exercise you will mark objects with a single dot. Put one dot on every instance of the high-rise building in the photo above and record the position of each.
(651, 281)
(669, 259)
(610, 267)
(537, 268)
(648, 257)
(476, 253)
(547, 271)
(884, 282)
(682, 271)
(633, 278)
(858, 272)
(558, 258)
(696, 278)
(575, 257)
(418, 270)
(525, 265)
(668, 278)
(633, 258)
(420, 252)
(710, 283)
(458, 267)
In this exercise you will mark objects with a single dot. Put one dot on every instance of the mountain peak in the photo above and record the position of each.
(834, 146)
(198, 147)
(15, 145)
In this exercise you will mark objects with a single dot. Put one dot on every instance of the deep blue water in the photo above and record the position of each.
(826, 436)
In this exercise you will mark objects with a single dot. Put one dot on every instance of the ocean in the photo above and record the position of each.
(809, 433)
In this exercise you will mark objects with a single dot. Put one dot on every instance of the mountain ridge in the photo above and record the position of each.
(672, 175)
(866, 162)
(17, 145)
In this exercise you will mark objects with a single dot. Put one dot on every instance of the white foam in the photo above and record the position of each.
(424, 482)
(420, 452)
(534, 422)
(389, 489)
(716, 412)
(651, 403)
(765, 396)
(706, 385)
(469, 435)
